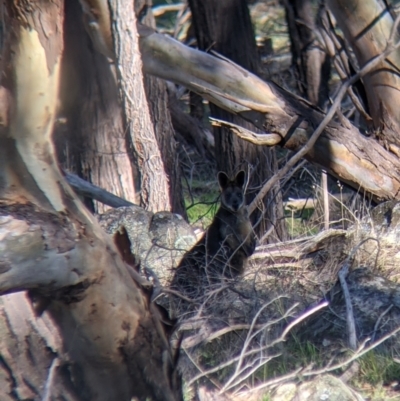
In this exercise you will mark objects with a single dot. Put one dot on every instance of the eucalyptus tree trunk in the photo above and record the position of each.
(90, 136)
(225, 27)
(367, 25)
(310, 62)
(155, 194)
(89, 330)
(110, 138)
(157, 98)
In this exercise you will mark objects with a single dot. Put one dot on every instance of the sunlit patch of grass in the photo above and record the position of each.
(201, 204)
(300, 226)
(202, 211)
(295, 354)
(377, 369)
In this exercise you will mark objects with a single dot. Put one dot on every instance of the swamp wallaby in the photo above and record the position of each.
(231, 231)
(226, 245)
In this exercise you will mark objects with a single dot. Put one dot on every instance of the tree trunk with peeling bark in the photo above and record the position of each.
(226, 27)
(90, 136)
(310, 63)
(89, 330)
(367, 26)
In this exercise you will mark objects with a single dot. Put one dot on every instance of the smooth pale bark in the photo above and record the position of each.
(367, 25)
(113, 345)
(217, 79)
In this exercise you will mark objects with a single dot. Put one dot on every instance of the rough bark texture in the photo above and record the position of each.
(158, 241)
(367, 26)
(32, 364)
(157, 99)
(311, 64)
(155, 194)
(92, 142)
(226, 28)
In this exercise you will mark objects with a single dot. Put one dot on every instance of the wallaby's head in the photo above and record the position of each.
(232, 191)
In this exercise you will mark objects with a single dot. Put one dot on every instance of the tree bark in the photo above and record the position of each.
(311, 64)
(367, 26)
(157, 98)
(155, 194)
(356, 160)
(32, 362)
(226, 27)
(113, 343)
(93, 142)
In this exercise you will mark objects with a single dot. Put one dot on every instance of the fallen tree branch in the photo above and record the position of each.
(244, 133)
(166, 8)
(84, 188)
(45, 232)
(351, 326)
(297, 248)
(340, 147)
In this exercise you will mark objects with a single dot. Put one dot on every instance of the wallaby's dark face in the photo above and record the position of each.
(232, 191)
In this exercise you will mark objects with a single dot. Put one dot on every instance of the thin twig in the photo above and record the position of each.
(351, 326)
(302, 317)
(378, 322)
(239, 359)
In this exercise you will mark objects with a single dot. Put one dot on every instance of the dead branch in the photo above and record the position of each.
(351, 326)
(276, 111)
(244, 133)
(307, 372)
(23, 238)
(162, 9)
(311, 203)
(206, 335)
(84, 188)
(298, 248)
(254, 331)
(378, 322)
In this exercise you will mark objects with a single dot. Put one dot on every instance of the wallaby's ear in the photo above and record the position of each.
(223, 179)
(240, 178)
